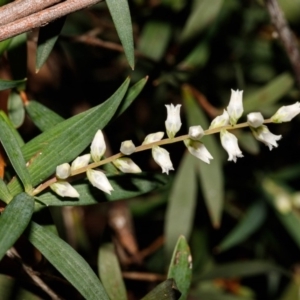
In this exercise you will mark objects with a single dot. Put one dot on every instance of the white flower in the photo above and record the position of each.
(162, 158)
(255, 119)
(264, 135)
(173, 122)
(80, 162)
(286, 113)
(64, 189)
(283, 204)
(63, 171)
(98, 146)
(196, 132)
(220, 121)
(99, 180)
(235, 107)
(198, 149)
(230, 144)
(126, 165)
(127, 147)
(153, 137)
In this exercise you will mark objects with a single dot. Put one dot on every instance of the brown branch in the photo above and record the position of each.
(143, 276)
(286, 36)
(43, 17)
(22, 8)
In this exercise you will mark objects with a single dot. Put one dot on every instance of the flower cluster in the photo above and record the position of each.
(223, 123)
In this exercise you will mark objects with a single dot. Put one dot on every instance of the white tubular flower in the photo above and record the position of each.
(264, 135)
(126, 165)
(162, 158)
(286, 113)
(99, 180)
(127, 147)
(196, 132)
(98, 146)
(64, 189)
(199, 150)
(173, 122)
(80, 162)
(220, 121)
(230, 144)
(153, 137)
(235, 107)
(63, 171)
(255, 119)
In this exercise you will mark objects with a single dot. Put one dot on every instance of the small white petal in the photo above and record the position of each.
(235, 107)
(230, 144)
(153, 137)
(63, 171)
(286, 113)
(283, 204)
(196, 132)
(220, 121)
(80, 162)
(199, 150)
(264, 135)
(99, 180)
(98, 146)
(64, 189)
(255, 119)
(173, 122)
(126, 165)
(162, 158)
(127, 147)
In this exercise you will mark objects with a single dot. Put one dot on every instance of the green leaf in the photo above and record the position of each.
(14, 220)
(4, 192)
(165, 291)
(181, 267)
(110, 272)
(47, 38)
(125, 186)
(248, 142)
(252, 221)
(14, 153)
(42, 117)
(120, 13)
(15, 109)
(181, 204)
(211, 176)
(65, 141)
(67, 261)
(9, 84)
(4, 45)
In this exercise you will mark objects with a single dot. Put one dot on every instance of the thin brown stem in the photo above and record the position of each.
(143, 276)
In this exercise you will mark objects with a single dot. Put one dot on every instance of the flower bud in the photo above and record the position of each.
(153, 137)
(220, 121)
(127, 147)
(80, 162)
(264, 135)
(286, 113)
(173, 122)
(196, 132)
(64, 189)
(63, 171)
(162, 158)
(198, 149)
(230, 144)
(235, 107)
(98, 146)
(255, 119)
(99, 180)
(126, 165)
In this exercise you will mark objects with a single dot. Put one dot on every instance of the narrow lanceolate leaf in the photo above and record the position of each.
(180, 268)
(211, 176)
(181, 204)
(67, 261)
(120, 13)
(42, 117)
(4, 45)
(167, 290)
(4, 192)
(245, 227)
(65, 141)
(9, 84)
(14, 153)
(14, 220)
(110, 272)
(47, 38)
(15, 108)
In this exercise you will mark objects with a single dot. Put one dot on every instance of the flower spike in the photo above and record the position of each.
(162, 158)
(230, 144)
(235, 107)
(173, 122)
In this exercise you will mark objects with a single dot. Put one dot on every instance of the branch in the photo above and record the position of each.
(286, 36)
(43, 17)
